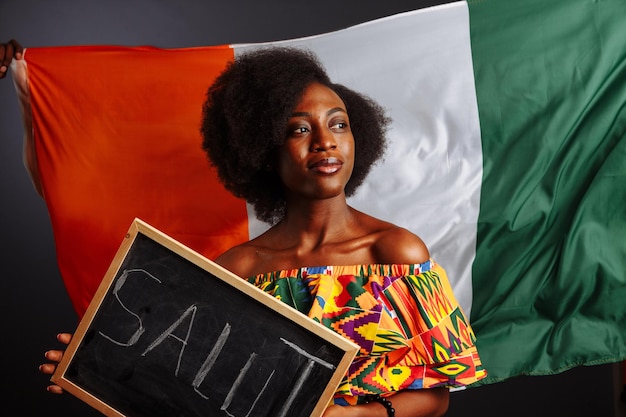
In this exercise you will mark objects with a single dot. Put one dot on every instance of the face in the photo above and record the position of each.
(317, 157)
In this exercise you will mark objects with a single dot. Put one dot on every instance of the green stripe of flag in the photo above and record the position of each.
(550, 270)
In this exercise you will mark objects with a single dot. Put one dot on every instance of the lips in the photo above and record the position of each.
(326, 165)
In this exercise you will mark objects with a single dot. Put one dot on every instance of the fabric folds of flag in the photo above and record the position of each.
(507, 156)
(114, 138)
(550, 269)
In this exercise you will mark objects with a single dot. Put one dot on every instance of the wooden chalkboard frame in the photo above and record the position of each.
(71, 370)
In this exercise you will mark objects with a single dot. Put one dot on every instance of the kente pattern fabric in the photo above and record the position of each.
(410, 328)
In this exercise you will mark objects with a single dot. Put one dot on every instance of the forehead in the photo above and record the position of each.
(318, 95)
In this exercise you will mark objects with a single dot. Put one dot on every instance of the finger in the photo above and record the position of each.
(4, 67)
(54, 355)
(19, 49)
(64, 338)
(55, 389)
(7, 52)
(47, 368)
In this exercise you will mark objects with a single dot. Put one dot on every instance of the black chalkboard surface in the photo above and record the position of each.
(170, 333)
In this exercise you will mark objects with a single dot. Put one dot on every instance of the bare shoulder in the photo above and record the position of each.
(401, 246)
(238, 259)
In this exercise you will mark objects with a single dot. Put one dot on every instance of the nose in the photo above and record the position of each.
(323, 140)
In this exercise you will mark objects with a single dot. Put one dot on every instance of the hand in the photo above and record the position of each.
(334, 411)
(8, 51)
(55, 356)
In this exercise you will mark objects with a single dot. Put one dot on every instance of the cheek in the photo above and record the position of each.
(287, 162)
(349, 151)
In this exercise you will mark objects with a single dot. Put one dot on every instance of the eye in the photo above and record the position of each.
(297, 130)
(339, 125)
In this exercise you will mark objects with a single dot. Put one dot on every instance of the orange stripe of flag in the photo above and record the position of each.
(116, 134)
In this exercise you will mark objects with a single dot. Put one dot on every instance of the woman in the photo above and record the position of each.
(295, 146)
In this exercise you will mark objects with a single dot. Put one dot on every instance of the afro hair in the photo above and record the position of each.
(244, 122)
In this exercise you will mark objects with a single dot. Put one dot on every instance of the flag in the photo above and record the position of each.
(506, 155)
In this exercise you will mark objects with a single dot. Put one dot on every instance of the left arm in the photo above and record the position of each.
(431, 402)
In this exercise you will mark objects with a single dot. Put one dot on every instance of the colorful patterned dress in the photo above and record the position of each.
(408, 323)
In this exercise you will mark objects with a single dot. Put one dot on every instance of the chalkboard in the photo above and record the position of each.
(171, 333)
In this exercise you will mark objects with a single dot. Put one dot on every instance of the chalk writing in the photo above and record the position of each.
(187, 319)
(119, 284)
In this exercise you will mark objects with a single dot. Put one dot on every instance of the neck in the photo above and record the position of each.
(314, 223)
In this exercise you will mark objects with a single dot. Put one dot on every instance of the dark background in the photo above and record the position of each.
(35, 306)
